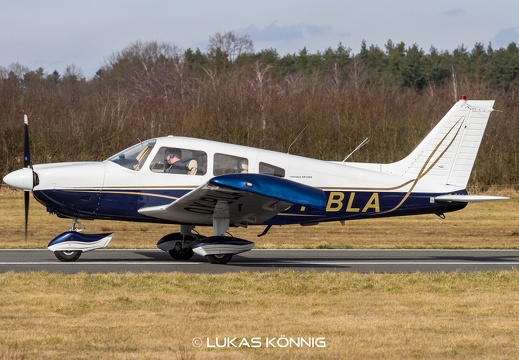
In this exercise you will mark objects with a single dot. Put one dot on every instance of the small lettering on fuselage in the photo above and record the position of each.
(337, 202)
(301, 176)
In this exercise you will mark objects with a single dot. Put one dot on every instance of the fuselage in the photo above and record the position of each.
(138, 177)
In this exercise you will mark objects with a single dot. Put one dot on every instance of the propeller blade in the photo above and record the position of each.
(26, 164)
(26, 148)
(26, 203)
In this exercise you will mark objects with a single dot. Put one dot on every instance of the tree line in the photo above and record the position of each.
(393, 95)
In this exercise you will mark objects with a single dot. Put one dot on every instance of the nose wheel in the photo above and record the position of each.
(68, 255)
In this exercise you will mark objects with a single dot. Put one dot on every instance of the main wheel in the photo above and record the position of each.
(219, 259)
(68, 255)
(182, 254)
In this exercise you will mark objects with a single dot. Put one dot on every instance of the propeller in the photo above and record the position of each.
(24, 179)
(26, 164)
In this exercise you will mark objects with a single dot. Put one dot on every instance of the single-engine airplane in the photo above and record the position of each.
(195, 182)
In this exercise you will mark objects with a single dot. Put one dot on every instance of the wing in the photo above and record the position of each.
(242, 198)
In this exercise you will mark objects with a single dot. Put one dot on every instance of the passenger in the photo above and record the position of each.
(172, 158)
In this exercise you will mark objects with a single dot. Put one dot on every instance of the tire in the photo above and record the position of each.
(68, 256)
(184, 254)
(219, 259)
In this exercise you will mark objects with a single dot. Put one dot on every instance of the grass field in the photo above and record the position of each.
(256, 315)
(181, 316)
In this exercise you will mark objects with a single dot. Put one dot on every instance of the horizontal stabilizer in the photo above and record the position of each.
(469, 198)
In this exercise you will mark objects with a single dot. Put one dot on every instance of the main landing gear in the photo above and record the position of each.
(216, 249)
(180, 245)
(219, 259)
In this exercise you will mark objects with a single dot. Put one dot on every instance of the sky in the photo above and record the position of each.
(55, 34)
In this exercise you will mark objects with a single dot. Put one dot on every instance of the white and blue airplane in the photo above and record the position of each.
(195, 182)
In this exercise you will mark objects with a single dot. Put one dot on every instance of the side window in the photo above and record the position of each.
(269, 169)
(179, 161)
(228, 164)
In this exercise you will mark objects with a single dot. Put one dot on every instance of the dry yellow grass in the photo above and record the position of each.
(357, 316)
(483, 225)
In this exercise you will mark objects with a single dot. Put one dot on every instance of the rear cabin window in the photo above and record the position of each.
(269, 169)
(172, 160)
(229, 164)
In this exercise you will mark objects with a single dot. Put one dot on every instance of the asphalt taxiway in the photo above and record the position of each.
(362, 261)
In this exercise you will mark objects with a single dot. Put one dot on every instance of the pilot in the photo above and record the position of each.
(172, 158)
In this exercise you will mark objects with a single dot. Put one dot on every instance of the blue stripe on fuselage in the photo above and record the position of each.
(123, 204)
(114, 204)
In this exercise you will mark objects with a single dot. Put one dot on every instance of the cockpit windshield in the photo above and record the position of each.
(134, 157)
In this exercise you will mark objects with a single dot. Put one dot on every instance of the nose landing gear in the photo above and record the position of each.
(69, 246)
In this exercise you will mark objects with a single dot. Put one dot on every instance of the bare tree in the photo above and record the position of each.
(230, 44)
(148, 52)
(15, 69)
(72, 71)
(153, 69)
(259, 84)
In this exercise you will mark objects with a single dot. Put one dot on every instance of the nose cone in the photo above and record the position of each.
(20, 179)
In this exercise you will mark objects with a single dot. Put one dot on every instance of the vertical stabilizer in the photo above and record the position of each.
(447, 154)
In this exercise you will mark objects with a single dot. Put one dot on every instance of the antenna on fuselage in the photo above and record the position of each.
(297, 137)
(366, 140)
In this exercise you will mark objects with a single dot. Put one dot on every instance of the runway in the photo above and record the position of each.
(361, 261)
